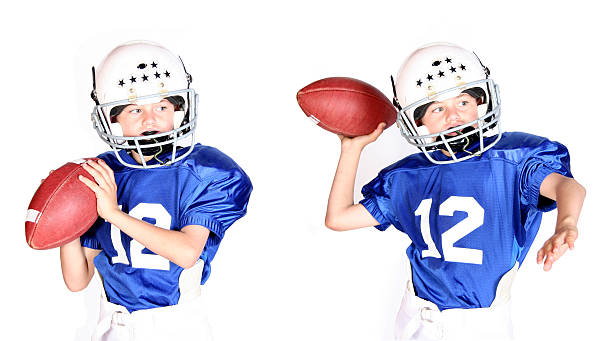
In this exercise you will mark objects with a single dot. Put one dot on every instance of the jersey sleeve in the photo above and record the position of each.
(89, 240)
(378, 202)
(218, 202)
(548, 157)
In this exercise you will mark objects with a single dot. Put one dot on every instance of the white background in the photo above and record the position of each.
(280, 274)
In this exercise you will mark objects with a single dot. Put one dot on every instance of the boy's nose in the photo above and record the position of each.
(148, 115)
(451, 114)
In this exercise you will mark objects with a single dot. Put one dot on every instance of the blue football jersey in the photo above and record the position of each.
(206, 188)
(469, 222)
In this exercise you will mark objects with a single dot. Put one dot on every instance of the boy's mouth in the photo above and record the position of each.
(150, 132)
(455, 132)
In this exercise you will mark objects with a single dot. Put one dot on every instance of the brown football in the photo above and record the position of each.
(62, 209)
(346, 106)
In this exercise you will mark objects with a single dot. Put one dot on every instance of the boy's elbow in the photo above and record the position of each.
(581, 190)
(75, 287)
(188, 263)
(333, 224)
(576, 188)
(189, 259)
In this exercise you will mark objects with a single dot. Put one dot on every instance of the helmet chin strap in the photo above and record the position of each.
(153, 151)
(459, 145)
(163, 150)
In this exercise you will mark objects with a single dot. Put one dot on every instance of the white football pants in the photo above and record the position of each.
(419, 319)
(186, 320)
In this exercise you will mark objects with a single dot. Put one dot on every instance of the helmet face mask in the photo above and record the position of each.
(181, 136)
(142, 73)
(435, 73)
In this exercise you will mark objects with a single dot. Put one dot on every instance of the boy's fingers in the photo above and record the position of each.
(541, 253)
(93, 172)
(100, 179)
(380, 128)
(550, 260)
(92, 185)
(571, 239)
(105, 170)
(108, 171)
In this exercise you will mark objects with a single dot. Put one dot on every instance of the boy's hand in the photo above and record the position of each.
(556, 245)
(361, 141)
(104, 187)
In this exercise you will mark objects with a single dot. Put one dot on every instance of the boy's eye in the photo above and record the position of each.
(464, 103)
(135, 111)
(437, 109)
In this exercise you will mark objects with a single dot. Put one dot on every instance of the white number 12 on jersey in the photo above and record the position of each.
(140, 259)
(474, 220)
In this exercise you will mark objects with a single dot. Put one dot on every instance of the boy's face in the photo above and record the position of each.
(450, 113)
(135, 120)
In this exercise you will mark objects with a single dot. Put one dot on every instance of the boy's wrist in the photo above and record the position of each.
(568, 222)
(114, 216)
(349, 145)
(565, 228)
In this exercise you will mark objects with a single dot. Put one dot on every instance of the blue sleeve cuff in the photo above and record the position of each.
(372, 207)
(210, 224)
(543, 204)
(91, 243)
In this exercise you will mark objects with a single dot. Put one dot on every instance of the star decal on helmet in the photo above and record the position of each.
(419, 83)
(146, 76)
(440, 74)
(453, 69)
(448, 60)
(429, 77)
(462, 67)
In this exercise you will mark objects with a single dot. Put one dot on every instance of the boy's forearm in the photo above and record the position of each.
(75, 268)
(178, 247)
(570, 197)
(342, 214)
(343, 187)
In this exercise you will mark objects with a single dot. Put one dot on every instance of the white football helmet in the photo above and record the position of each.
(143, 72)
(437, 72)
